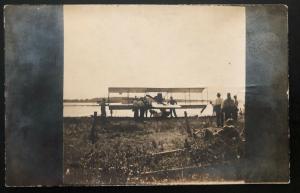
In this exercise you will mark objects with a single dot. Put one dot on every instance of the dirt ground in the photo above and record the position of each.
(123, 151)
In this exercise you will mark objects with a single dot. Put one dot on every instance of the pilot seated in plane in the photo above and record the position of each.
(158, 98)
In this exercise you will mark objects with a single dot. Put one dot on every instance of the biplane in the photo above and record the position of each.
(158, 98)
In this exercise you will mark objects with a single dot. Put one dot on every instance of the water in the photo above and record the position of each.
(88, 109)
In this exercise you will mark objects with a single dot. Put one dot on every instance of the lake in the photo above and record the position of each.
(88, 109)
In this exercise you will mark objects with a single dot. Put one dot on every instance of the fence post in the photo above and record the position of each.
(188, 128)
(93, 129)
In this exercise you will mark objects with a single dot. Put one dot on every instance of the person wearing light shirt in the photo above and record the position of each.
(218, 105)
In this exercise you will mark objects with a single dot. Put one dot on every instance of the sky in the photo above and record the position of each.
(153, 46)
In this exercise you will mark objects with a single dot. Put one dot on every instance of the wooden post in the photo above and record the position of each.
(190, 95)
(207, 95)
(93, 129)
(188, 128)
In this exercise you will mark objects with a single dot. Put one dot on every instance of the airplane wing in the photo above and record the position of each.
(164, 106)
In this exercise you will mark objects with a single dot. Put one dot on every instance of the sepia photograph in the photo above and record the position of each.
(102, 95)
(153, 94)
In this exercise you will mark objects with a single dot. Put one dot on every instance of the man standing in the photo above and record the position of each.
(172, 110)
(228, 107)
(135, 108)
(102, 107)
(236, 108)
(141, 106)
(147, 104)
(218, 110)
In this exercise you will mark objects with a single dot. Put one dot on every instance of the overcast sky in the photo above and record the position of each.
(153, 46)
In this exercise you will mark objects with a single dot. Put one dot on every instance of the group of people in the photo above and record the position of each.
(141, 107)
(225, 109)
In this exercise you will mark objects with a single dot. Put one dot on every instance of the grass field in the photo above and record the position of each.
(153, 151)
